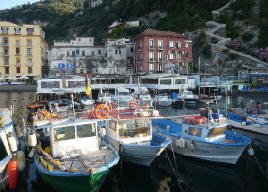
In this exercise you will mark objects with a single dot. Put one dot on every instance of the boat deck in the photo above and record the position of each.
(84, 163)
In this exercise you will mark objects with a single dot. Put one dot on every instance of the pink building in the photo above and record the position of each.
(162, 51)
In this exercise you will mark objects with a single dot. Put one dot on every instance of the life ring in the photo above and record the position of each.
(101, 111)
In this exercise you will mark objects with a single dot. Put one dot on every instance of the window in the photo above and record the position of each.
(29, 42)
(160, 66)
(73, 53)
(5, 40)
(5, 49)
(17, 51)
(141, 44)
(29, 51)
(171, 44)
(17, 61)
(179, 81)
(88, 130)
(178, 44)
(81, 71)
(151, 67)
(18, 69)
(194, 131)
(132, 49)
(17, 42)
(77, 51)
(119, 51)
(64, 133)
(83, 53)
(179, 56)
(50, 84)
(165, 81)
(4, 30)
(171, 56)
(30, 70)
(30, 31)
(6, 70)
(151, 43)
(167, 57)
(17, 30)
(68, 53)
(160, 56)
(99, 51)
(6, 60)
(216, 131)
(92, 53)
(151, 56)
(160, 44)
(186, 45)
(3, 151)
(29, 61)
(112, 125)
(186, 54)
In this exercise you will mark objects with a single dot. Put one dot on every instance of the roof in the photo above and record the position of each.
(115, 24)
(161, 75)
(151, 32)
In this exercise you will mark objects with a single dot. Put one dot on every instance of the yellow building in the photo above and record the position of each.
(22, 51)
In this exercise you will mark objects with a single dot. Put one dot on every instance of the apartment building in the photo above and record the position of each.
(23, 51)
(77, 55)
(162, 51)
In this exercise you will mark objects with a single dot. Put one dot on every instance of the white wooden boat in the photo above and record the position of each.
(130, 132)
(187, 97)
(163, 100)
(122, 96)
(71, 155)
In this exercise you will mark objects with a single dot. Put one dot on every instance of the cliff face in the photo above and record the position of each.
(211, 24)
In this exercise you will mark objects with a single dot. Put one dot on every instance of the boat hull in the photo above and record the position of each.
(141, 154)
(252, 128)
(209, 151)
(75, 183)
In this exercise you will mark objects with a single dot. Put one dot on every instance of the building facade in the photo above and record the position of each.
(23, 51)
(78, 55)
(162, 51)
(119, 56)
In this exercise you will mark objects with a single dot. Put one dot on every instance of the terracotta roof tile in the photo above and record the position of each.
(160, 33)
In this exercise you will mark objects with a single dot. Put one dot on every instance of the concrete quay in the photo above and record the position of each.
(18, 88)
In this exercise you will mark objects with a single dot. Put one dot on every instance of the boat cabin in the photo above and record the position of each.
(203, 128)
(128, 128)
(74, 139)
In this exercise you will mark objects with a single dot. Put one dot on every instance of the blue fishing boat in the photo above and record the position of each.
(71, 155)
(130, 132)
(204, 137)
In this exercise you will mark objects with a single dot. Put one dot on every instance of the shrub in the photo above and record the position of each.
(247, 36)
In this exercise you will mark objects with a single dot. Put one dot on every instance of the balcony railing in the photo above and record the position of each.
(29, 64)
(29, 44)
(18, 64)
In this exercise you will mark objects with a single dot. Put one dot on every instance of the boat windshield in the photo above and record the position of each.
(134, 128)
(66, 133)
(188, 93)
(85, 97)
(216, 131)
(3, 151)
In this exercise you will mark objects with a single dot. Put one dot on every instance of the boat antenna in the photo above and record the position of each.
(117, 103)
(226, 102)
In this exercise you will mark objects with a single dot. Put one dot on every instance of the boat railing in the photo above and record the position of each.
(43, 117)
(134, 132)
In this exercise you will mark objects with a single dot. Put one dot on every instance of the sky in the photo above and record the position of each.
(7, 4)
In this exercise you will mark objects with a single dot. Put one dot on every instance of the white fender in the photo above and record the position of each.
(21, 160)
(32, 141)
(12, 143)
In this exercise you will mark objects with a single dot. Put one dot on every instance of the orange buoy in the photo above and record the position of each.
(13, 174)
(101, 111)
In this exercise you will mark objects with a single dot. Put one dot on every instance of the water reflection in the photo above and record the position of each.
(197, 175)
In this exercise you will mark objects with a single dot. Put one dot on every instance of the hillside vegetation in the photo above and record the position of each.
(63, 18)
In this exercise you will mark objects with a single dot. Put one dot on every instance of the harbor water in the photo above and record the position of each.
(169, 172)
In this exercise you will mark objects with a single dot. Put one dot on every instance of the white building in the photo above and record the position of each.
(79, 52)
(119, 56)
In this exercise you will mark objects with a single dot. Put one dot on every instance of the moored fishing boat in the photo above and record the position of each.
(130, 132)
(204, 137)
(256, 122)
(163, 100)
(71, 155)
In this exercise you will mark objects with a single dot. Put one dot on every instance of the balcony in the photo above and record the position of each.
(4, 44)
(6, 64)
(4, 53)
(29, 45)
(29, 64)
(160, 48)
(17, 64)
(17, 54)
(151, 48)
(29, 55)
(151, 60)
